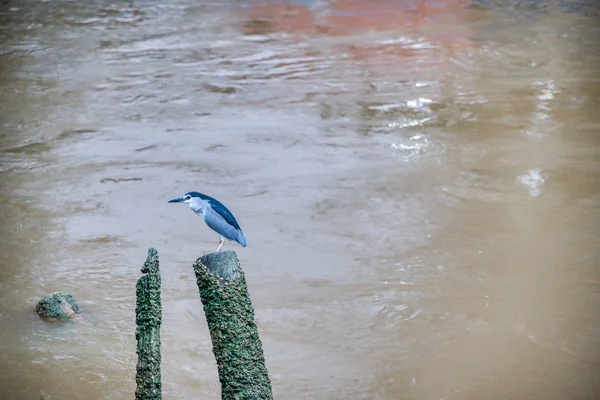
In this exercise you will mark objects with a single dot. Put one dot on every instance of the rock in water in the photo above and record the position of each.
(59, 305)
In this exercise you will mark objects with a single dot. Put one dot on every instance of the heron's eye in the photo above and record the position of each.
(188, 197)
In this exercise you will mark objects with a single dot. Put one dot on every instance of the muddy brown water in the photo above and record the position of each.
(419, 184)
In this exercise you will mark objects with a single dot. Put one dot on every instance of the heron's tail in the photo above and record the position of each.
(241, 238)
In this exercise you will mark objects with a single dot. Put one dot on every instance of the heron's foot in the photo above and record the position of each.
(221, 241)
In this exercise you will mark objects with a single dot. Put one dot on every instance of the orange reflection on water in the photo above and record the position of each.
(422, 30)
(441, 21)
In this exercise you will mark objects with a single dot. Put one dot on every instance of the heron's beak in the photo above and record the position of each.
(177, 200)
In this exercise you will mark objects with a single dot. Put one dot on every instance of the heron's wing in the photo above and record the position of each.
(224, 212)
(219, 224)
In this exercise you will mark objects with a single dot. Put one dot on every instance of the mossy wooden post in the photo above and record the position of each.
(233, 331)
(148, 317)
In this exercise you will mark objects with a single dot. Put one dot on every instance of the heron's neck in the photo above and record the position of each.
(197, 205)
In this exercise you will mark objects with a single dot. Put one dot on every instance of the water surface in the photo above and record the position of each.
(418, 183)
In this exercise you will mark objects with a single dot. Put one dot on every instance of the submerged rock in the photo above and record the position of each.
(60, 305)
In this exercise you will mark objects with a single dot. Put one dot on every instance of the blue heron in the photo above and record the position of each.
(216, 216)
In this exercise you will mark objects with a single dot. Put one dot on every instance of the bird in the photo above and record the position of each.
(216, 216)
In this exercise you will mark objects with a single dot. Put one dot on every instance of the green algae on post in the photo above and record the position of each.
(148, 318)
(230, 317)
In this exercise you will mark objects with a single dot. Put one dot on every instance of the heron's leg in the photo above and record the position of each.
(221, 241)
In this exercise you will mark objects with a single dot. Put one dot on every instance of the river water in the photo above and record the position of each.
(419, 183)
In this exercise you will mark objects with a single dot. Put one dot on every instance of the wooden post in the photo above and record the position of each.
(148, 317)
(230, 316)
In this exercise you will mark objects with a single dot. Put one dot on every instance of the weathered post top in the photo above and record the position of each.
(224, 264)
